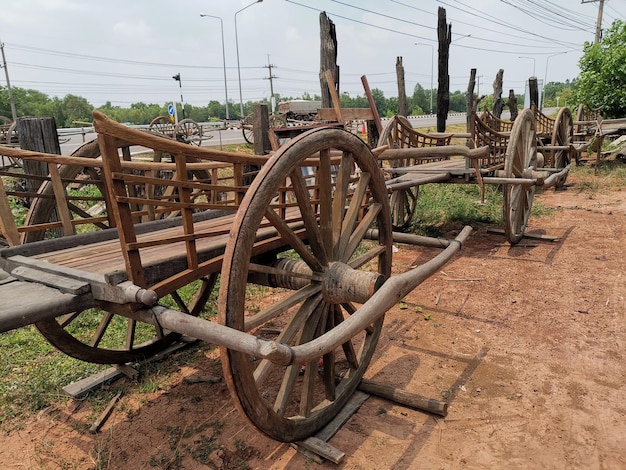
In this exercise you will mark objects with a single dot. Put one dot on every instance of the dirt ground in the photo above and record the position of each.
(526, 343)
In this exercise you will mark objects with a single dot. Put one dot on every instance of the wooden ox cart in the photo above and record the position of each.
(319, 247)
(508, 157)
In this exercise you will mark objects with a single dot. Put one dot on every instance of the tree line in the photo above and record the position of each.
(72, 110)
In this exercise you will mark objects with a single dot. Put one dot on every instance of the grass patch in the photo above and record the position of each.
(441, 204)
(32, 373)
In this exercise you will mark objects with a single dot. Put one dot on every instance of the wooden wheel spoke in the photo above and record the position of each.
(326, 200)
(289, 332)
(351, 216)
(310, 373)
(289, 379)
(282, 306)
(130, 333)
(179, 301)
(367, 256)
(101, 330)
(293, 240)
(359, 232)
(348, 347)
(67, 319)
(340, 197)
(308, 215)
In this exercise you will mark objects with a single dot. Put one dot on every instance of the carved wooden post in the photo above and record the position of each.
(444, 34)
(328, 59)
(498, 103)
(512, 104)
(402, 106)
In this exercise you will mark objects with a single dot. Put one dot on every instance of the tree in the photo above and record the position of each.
(602, 80)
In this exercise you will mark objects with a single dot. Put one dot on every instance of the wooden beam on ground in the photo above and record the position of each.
(538, 236)
(405, 398)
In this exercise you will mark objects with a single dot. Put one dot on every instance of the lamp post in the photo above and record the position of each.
(545, 79)
(238, 66)
(202, 15)
(432, 70)
(531, 58)
(180, 85)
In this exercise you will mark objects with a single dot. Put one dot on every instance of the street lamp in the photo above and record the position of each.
(531, 58)
(237, 48)
(202, 15)
(180, 85)
(432, 71)
(545, 79)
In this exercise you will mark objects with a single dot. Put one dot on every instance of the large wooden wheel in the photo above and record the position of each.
(562, 135)
(103, 337)
(403, 202)
(246, 129)
(520, 160)
(162, 125)
(188, 131)
(314, 282)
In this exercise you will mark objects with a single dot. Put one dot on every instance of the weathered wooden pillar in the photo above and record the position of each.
(444, 34)
(262, 145)
(470, 102)
(498, 103)
(402, 105)
(328, 58)
(533, 90)
(512, 104)
(38, 135)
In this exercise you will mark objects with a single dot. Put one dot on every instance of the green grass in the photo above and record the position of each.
(442, 204)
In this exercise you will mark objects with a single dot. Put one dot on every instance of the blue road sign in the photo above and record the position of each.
(170, 109)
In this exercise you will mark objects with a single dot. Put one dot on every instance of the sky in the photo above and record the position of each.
(127, 51)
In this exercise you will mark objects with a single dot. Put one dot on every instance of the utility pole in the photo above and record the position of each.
(271, 78)
(599, 20)
(6, 74)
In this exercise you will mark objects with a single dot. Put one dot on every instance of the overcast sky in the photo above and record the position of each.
(126, 51)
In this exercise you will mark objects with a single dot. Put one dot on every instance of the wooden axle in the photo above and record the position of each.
(387, 296)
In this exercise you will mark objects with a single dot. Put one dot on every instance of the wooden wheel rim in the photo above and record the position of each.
(254, 401)
(521, 155)
(562, 135)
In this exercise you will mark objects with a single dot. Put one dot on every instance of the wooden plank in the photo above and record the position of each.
(24, 303)
(323, 449)
(372, 103)
(64, 284)
(538, 236)
(83, 386)
(348, 114)
(95, 427)
(351, 407)
(334, 95)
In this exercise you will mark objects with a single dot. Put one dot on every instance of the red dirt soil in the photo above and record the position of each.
(526, 343)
